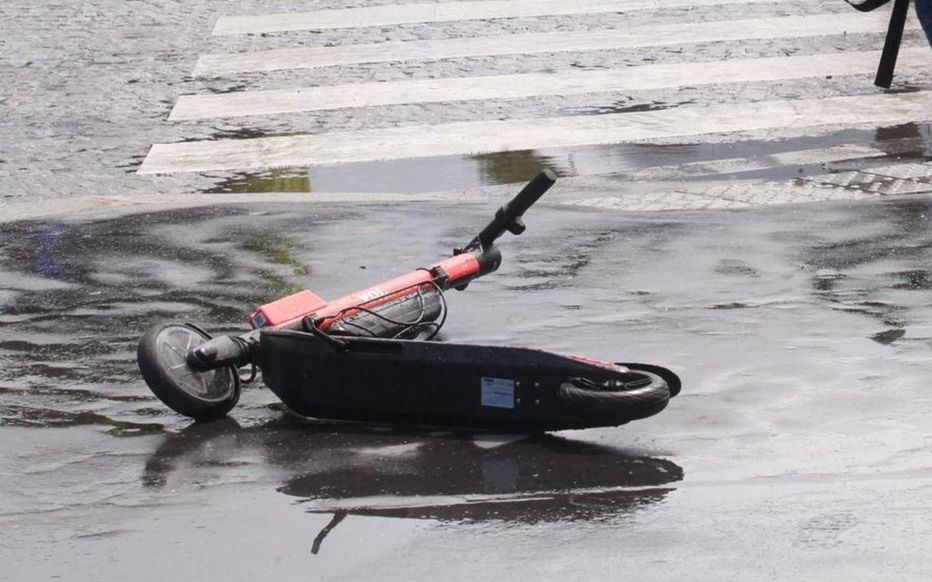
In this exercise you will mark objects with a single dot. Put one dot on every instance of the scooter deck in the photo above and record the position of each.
(456, 385)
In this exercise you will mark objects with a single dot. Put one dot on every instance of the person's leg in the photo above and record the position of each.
(924, 10)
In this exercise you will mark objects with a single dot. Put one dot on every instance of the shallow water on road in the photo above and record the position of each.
(797, 447)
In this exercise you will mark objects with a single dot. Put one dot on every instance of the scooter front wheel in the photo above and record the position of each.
(641, 391)
(201, 395)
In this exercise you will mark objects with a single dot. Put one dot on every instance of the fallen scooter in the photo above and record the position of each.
(369, 357)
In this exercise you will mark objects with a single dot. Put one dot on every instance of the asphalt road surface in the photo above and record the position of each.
(737, 202)
(797, 449)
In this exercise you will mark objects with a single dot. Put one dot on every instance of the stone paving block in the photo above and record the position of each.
(750, 193)
(770, 193)
(808, 192)
(919, 172)
(873, 183)
(743, 194)
(677, 200)
(898, 187)
(855, 180)
(654, 201)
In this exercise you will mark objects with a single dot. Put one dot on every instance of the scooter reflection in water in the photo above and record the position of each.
(418, 474)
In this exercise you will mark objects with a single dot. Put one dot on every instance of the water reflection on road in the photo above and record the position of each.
(355, 470)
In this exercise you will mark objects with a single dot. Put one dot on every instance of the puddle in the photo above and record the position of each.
(889, 336)
(24, 416)
(86, 293)
(918, 279)
(289, 180)
(403, 176)
(864, 271)
(907, 139)
(456, 173)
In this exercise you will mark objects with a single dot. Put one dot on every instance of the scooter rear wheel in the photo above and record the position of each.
(201, 395)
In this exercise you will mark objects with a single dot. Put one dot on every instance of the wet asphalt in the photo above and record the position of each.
(797, 449)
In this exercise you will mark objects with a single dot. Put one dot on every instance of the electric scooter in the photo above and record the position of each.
(370, 356)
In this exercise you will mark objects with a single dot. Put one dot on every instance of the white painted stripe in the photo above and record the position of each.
(443, 12)
(473, 137)
(529, 85)
(550, 42)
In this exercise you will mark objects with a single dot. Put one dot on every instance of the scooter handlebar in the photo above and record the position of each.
(531, 192)
(508, 217)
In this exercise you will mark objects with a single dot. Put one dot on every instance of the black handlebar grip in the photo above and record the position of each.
(508, 217)
(531, 193)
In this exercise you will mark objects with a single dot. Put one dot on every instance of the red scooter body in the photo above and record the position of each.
(455, 272)
(410, 302)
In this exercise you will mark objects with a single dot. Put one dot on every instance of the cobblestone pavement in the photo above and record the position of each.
(655, 105)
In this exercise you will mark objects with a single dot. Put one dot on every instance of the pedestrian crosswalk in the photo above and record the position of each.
(741, 82)
(518, 86)
(442, 12)
(780, 27)
(463, 138)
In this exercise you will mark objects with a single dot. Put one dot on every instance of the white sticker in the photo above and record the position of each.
(498, 392)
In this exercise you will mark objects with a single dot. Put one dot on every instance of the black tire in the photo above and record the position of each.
(199, 395)
(673, 381)
(637, 394)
